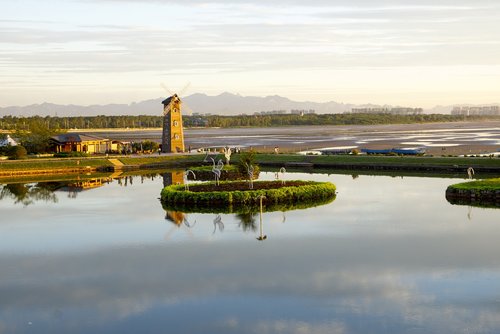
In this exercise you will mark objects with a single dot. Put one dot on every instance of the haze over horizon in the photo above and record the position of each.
(397, 52)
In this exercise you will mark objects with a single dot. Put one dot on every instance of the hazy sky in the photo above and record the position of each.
(414, 53)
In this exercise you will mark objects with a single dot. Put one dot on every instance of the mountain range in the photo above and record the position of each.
(223, 104)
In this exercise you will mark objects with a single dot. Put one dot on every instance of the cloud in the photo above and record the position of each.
(342, 36)
(299, 327)
(199, 39)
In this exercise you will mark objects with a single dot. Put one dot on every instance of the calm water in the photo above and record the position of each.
(389, 255)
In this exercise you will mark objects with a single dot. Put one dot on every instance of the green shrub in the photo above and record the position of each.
(17, 152)
(145, 146)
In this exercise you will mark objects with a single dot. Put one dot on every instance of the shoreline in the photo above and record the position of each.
(23, 168)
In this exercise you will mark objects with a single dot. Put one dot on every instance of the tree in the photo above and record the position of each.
(145, 146)
(37, 138)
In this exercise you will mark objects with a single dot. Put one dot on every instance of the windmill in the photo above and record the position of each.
(172, 139)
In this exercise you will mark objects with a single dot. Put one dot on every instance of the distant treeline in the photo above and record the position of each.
(333, 119)
(145, 121)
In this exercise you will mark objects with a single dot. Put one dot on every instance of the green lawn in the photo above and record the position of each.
(489, 184)
(58, 163)
(156, 159)
(51, 164)
(186, 160)
(374, 160)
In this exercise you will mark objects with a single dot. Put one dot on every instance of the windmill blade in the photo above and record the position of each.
(184, 89)
(186, 110)
(166, 89)
(167, 108)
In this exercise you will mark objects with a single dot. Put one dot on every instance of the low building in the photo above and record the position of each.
(118, 146)
(73, 142)
(302, 112)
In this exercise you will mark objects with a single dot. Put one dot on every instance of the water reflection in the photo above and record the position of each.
(177, 218)
(247, 221)
(345, 284)
(180, 221)
(375, 261)
(218, 224)
(175, 177)
(27, 194)
(46, 191)
(480, 202)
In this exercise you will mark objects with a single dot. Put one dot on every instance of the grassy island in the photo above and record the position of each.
(229, 195)
(485, 192)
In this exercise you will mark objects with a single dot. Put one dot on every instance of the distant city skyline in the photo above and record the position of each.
(396, 52)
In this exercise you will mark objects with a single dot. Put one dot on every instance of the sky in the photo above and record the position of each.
(399, 52)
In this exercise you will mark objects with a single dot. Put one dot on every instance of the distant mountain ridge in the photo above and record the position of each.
(223, 104)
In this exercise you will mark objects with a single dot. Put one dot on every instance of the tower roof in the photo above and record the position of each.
(167, 100)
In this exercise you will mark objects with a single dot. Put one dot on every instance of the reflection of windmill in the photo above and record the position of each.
(172, 139)
(179, 220)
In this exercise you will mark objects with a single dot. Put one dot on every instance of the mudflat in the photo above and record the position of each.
(437, 138)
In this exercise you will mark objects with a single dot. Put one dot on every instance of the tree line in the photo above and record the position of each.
(333, 119)
(55, 123)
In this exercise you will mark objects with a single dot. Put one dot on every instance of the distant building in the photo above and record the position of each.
(285, 112)
(271, 112)
(302, 112)
(8, 140)
(476, 111)
(392, 111)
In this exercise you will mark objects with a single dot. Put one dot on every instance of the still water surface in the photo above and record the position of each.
(389, 255)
